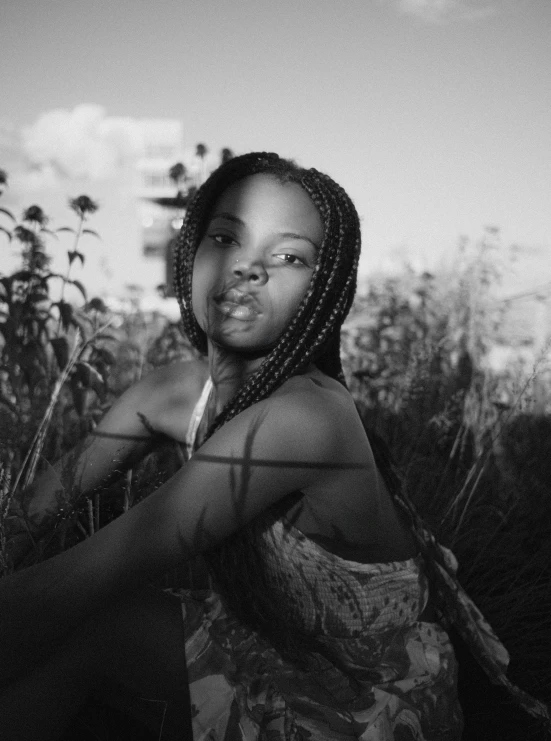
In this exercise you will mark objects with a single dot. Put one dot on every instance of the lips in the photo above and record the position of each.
(238, 305)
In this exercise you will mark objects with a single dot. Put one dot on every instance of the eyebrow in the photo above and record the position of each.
(293, 235)
(285, 235)
(228, 217)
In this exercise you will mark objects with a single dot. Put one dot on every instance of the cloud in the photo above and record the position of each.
(82, 143)
(86, 146)
(441, 11)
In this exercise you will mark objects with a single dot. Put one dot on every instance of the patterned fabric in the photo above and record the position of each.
(377, 674)
(326, 594)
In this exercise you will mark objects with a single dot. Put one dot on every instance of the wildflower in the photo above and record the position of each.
(96, 304)
(35, 259)
(35, 215)
(201, 151)
(83, 205)
(28, 237)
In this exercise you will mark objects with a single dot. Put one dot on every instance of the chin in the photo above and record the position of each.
(244, 347)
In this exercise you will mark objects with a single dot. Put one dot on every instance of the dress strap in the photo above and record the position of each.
(196, 417)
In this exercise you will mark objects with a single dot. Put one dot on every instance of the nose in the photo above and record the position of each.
(250, 270)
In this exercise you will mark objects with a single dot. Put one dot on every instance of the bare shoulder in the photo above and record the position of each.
(320, 400)
(166, 396)
(316, 387)
(184, 378)
(315, 412)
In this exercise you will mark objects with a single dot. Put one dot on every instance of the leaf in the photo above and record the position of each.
(65, 313)
(6, 232)
(22, 275)
(80, 396)
(81, 373)
(9, 404)
(106, 336)
(60, 347)
(89, 377)
(41, 329)
(36, 296)
(27, 357)
(106, 355)
(6, 282)
(66, 229)
(73, 254)
(54, 275)
(97, 382)
(48, 231)
(8, 213)
(7, 332)
(91, 232)
(80, 287)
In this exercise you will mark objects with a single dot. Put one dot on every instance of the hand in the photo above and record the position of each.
(23, 539)
(18, 542)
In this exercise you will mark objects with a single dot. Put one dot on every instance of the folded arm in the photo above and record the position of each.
(122, 438)
(265, 453)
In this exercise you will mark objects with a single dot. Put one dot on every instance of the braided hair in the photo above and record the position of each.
(312, 336)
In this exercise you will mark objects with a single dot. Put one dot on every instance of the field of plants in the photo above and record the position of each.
(473, 445)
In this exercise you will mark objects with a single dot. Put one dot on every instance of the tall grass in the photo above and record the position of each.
(473, 449)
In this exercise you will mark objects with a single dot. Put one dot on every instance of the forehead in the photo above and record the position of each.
(263, 199)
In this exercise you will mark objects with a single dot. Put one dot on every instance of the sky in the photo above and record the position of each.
(435, 115)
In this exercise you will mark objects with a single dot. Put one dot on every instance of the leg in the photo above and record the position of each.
(137, 642)
(142, 641)
(39, 706)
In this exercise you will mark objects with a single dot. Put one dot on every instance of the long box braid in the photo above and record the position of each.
(313, 335)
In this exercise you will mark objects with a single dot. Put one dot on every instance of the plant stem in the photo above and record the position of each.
(67, 276)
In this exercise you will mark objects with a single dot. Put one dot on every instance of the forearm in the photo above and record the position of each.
(52, 490)
(124, 435)
(60, 489)
(127, 432)
(41, 605)
(90, 467)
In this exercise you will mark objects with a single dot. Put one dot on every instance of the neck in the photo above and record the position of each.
(229, 371)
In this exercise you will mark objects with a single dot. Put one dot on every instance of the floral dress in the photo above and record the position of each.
(378, 672)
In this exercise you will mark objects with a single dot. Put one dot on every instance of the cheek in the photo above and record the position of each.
(292, 297)
(207, 280)
(199, 288)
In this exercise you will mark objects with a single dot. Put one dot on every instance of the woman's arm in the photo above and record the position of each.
(271, 449)
(123, 437)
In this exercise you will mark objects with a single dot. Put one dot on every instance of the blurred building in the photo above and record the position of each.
(161, 148)
(123, 165)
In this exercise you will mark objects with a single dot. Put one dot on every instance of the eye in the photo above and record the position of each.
(290, 259)
(225, 240)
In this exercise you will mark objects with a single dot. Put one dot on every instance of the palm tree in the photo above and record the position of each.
(178, 174)
(201, 151)
(225, 155)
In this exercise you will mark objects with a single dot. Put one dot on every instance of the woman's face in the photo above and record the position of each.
(255, 262)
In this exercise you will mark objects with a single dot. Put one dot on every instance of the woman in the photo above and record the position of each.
(319, 624)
